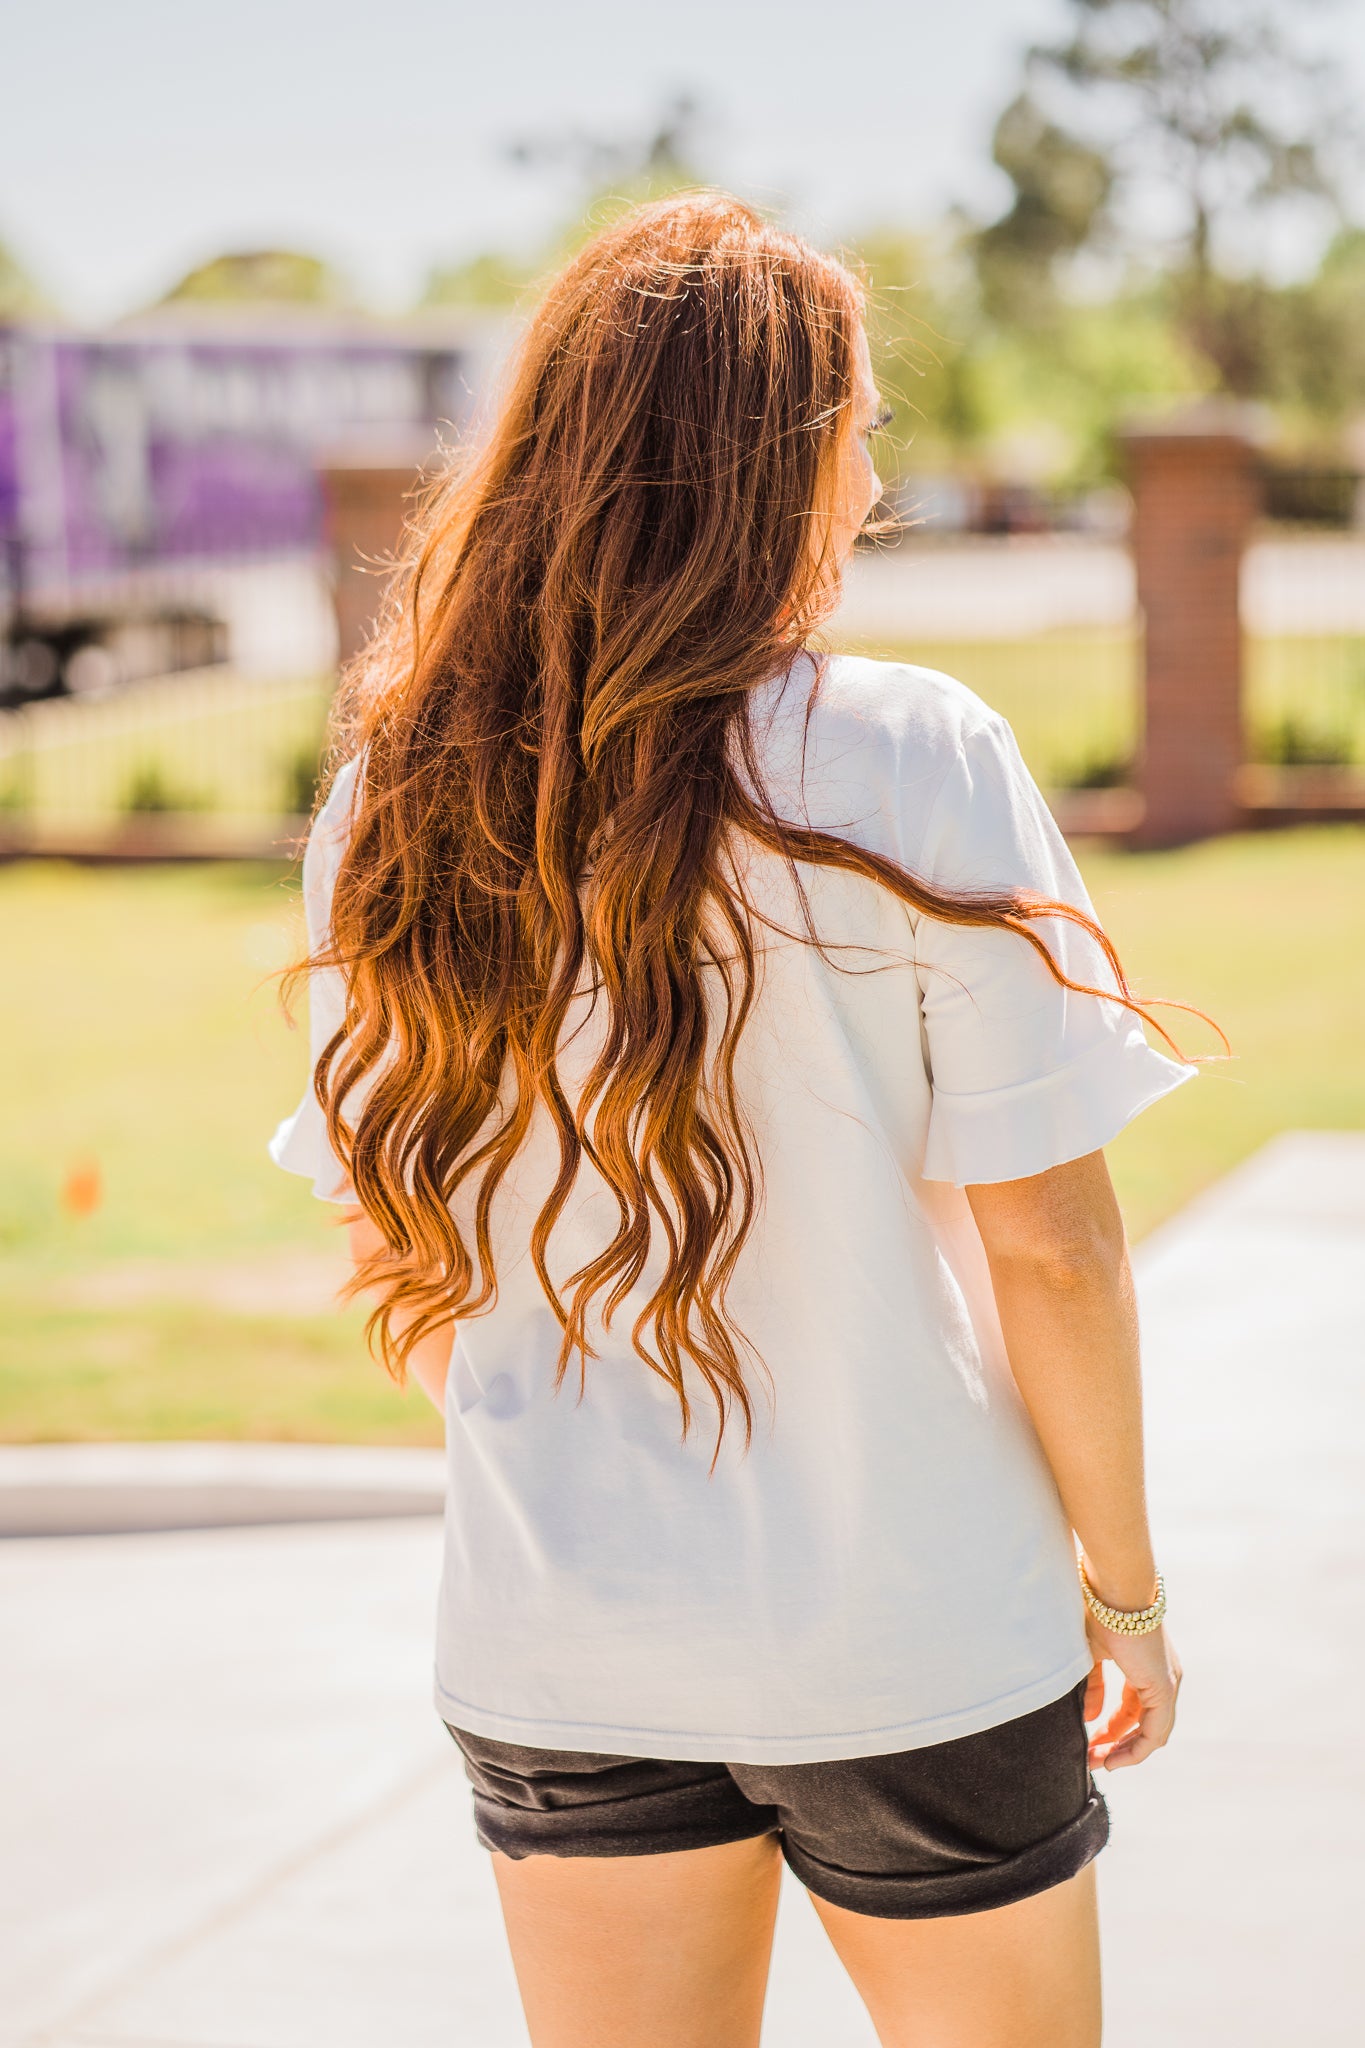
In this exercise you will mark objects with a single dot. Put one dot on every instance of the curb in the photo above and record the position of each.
(115, 1489)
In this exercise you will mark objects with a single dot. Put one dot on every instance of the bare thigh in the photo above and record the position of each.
(1020, 1976)
(621, 1951)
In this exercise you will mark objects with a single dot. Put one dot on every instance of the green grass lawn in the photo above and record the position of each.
(142, 1033)
(141, 1038)
(168, 1370)
(1266, 932)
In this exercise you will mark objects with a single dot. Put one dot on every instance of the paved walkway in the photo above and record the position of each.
(230, 1819)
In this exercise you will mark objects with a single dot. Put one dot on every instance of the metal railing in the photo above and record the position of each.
(210, 759)
(1303, 613)
(220, 761)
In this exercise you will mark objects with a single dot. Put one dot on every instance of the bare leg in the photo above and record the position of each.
(1020, 1976)
(643, 1951)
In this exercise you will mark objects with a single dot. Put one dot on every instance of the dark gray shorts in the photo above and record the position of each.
(954, 1827)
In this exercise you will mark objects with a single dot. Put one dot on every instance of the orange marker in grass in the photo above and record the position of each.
(83, 1189)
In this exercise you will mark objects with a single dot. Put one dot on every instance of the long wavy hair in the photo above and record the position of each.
(555, 767)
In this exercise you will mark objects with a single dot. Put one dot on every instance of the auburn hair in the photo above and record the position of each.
(555, 764)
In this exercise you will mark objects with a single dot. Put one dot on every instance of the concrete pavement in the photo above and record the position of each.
(1232, 1887)
(229, 1818)
(1006, 587)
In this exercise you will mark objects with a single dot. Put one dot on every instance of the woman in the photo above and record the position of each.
(714, 1047)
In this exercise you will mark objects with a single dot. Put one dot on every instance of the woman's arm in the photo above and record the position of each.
(429, 1360)
(1059, 1263)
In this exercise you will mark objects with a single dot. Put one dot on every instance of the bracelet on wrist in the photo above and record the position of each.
(1122, 1621)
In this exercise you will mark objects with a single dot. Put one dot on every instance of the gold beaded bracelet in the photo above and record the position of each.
(1139, 1621)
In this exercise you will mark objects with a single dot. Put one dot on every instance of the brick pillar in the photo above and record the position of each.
(1196, 495)
(367, 503)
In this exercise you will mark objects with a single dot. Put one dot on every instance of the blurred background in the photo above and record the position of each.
(258, 270)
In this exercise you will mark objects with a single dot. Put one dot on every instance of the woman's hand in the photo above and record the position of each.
(1144, 1717)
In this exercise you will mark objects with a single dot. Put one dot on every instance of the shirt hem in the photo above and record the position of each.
(684, 1746)
(291, 1150)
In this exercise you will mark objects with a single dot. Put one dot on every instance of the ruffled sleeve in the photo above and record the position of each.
(300, 1144)
(1025, 1074)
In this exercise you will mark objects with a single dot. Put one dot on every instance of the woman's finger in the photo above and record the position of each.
(1126, 1716)
(1110, 1737)
(1127, 1720)
(1130, 1752)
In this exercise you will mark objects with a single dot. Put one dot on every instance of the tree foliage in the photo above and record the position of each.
(1211, 123)
(969, 389)
(261, 276)
(1207, 98)
(659, 157)
(21, 298)
(605, 172)
(492, 281)
(1062, 193)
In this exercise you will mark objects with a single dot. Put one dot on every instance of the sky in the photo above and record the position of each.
(141, 138)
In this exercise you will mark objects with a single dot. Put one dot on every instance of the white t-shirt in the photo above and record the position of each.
(889, 1564)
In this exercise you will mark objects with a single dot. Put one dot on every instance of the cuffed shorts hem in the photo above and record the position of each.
(938, 1895)
(523, 1838)
(557, 1803)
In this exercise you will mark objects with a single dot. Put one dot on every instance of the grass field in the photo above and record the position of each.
(144, 1234)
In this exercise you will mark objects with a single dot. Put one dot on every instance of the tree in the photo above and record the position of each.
(616, 171)
(261, 276)
(1310, 340)
(1337, 296)
(1062, 191)
(492, 281)
(926, 334)
(20, 297)
(608, 173)
(657, 160)
(1203, 108)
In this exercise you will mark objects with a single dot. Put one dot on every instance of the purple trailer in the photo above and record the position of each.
(148, 476)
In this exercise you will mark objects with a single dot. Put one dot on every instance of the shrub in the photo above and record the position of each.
(149, 792)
